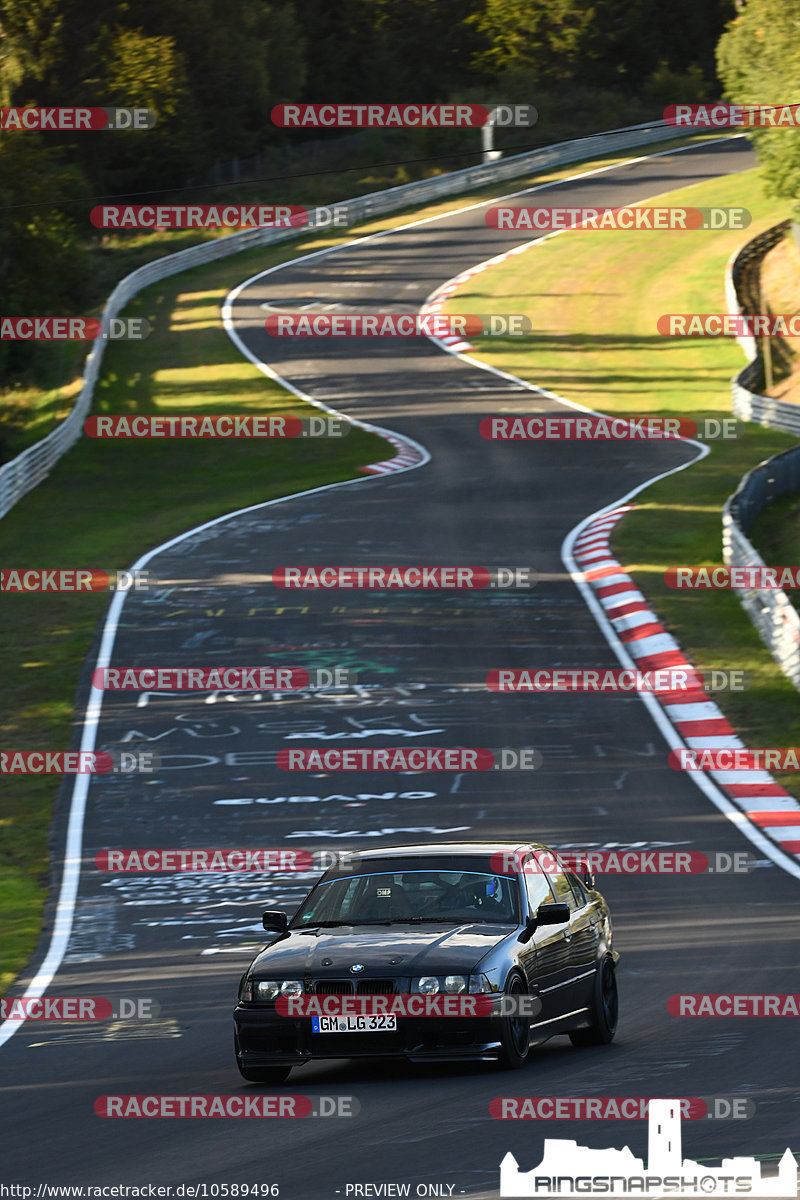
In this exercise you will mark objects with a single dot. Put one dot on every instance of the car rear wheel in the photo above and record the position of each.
(514, 1030)
(604, 1011)
(269, 1075)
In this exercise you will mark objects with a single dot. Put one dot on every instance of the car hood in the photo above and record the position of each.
(382, 950)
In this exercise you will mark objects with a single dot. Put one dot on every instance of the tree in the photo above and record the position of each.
(758, 59)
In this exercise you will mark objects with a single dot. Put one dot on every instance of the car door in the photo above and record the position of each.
(581, 936)
(550, 967)
(585, 931)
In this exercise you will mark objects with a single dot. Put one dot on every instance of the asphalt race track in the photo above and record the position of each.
(421, 660)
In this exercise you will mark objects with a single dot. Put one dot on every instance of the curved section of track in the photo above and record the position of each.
(422, 661)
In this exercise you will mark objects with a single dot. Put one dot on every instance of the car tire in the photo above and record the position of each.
(514, 1031)
(604, 1011)
(269, 1075)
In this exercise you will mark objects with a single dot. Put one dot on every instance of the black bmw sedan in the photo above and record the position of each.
(475, 950)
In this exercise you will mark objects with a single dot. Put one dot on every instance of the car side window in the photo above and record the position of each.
(564, 892)
(577, 888)
(537, 886)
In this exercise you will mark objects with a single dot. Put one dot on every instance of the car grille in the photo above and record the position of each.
(350, 987)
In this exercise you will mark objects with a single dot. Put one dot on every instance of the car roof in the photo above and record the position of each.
(460, 849)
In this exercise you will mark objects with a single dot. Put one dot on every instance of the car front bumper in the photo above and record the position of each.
(265, 1039)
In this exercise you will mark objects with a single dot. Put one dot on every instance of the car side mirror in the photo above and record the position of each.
(274, 921)
(590, 880)
(552, 914)
(546, 914)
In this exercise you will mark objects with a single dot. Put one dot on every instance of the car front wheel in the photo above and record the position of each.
(514, 1030)
(604, 1011)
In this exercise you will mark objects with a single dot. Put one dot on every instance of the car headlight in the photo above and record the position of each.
(429, 985)
(426, 985)
(269, 989)
(455, 983)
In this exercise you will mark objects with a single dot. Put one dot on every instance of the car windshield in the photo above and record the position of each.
(412, 895)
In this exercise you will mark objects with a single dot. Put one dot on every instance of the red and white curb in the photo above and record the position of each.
(409, 454)
(698, 721)
(439, 297)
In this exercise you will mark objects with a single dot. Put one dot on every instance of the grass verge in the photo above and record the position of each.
(608, 289)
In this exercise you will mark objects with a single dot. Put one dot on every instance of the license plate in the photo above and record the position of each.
(379, 1023)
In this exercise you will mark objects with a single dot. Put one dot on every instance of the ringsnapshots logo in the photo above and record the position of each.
(402, 116)
(569, 1170)
(629, 219)
(75, 120)
(402, 325)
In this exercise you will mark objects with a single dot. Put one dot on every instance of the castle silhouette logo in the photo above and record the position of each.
(570, 1170)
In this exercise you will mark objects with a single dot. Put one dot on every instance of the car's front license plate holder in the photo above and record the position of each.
(378, 1023)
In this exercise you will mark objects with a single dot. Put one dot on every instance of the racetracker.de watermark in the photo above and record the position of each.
(405, 758)
(75, 120)
(260, 1105)
(618, 679)
(79, 329)
(733, 325)
(79, 1008)
(219, 679)
(411, 1005)
(547, 220)
(755, 578)
(199, 216)
(182, 861)
(74, 579)
(728, 1004)
(419, 324)
(591, 428)
(616, 1108)
(736, 759)
(402, 116)
(625, 862)
(215, 426)
(413, 578)
(78, 762)
(724, 116)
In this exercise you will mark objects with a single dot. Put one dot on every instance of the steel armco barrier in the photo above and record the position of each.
(34, 464)
(742, 293)
(770, 610)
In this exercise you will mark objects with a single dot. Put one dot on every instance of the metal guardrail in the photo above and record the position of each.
(770, 610)
(743, 296)
(33, 465)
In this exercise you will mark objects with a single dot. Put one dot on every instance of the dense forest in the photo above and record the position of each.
(212, 70)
